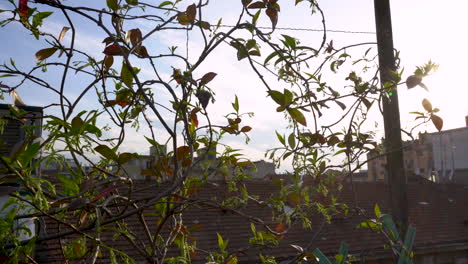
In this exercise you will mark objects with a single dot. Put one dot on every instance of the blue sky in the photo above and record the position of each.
(422, 30)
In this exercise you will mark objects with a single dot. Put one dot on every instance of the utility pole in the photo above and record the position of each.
(393, 144)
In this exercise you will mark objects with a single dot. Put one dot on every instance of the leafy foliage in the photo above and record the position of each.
(173, 111)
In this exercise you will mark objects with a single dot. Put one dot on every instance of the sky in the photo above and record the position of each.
(422, 31)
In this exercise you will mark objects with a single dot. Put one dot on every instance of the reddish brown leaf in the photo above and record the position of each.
(177, 76)
(246, 129)
(438, 122)
(193, 116)
(182, 152)
(191, 12)
(143, 52)
(115, 50)
(207, 78)
(280, 228)
(330, 47)
(45, 53)
(108, 40)
(246, 2)
(273, 15)
(107, 63)
(123, 103)
(134, 36)
(258, 4)
(23, 9)
(4, 86)
(183, 19)
(186, 163)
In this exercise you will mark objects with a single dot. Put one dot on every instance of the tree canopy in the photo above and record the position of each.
(166, 93)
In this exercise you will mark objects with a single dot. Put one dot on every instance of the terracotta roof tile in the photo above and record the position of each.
(439, 212)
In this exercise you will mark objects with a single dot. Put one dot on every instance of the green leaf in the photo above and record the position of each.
(93, 130)
(29, 153)
(322, 259)
(183, 19)
(288, 97)
(333, 140)
(289, 41)
(390, 225)
(39, 17)
(255, 53)
(343, 252)
(165, 3)
(251, 43)
(45, 53)
(113, 4)
(221, 243)
(7, 75)
(241, 53)
(126, 75)
(277, 96)
(205, 25)
(255, 17)
(297, 116)
(271, 56)
(280, 138)
(405, 253)
(125, 157)
(367, 103)
(152, 142)
(235, 105)
(106, 152)
(377, 211)
(77, 123)
(132, 2)
(69, 185)
(292, 140)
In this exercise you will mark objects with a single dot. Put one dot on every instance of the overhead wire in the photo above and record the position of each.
(299, 29)
(309, 29)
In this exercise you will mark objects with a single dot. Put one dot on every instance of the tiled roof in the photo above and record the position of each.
(439, 213)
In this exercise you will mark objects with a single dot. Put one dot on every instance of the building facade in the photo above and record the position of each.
(439, 157)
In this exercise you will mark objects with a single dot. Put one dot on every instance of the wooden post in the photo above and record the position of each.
(396, 177)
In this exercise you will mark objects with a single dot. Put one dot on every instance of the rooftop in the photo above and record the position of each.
(437, 211)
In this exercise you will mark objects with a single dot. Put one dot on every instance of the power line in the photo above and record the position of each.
(301, 29)
(311, 29)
